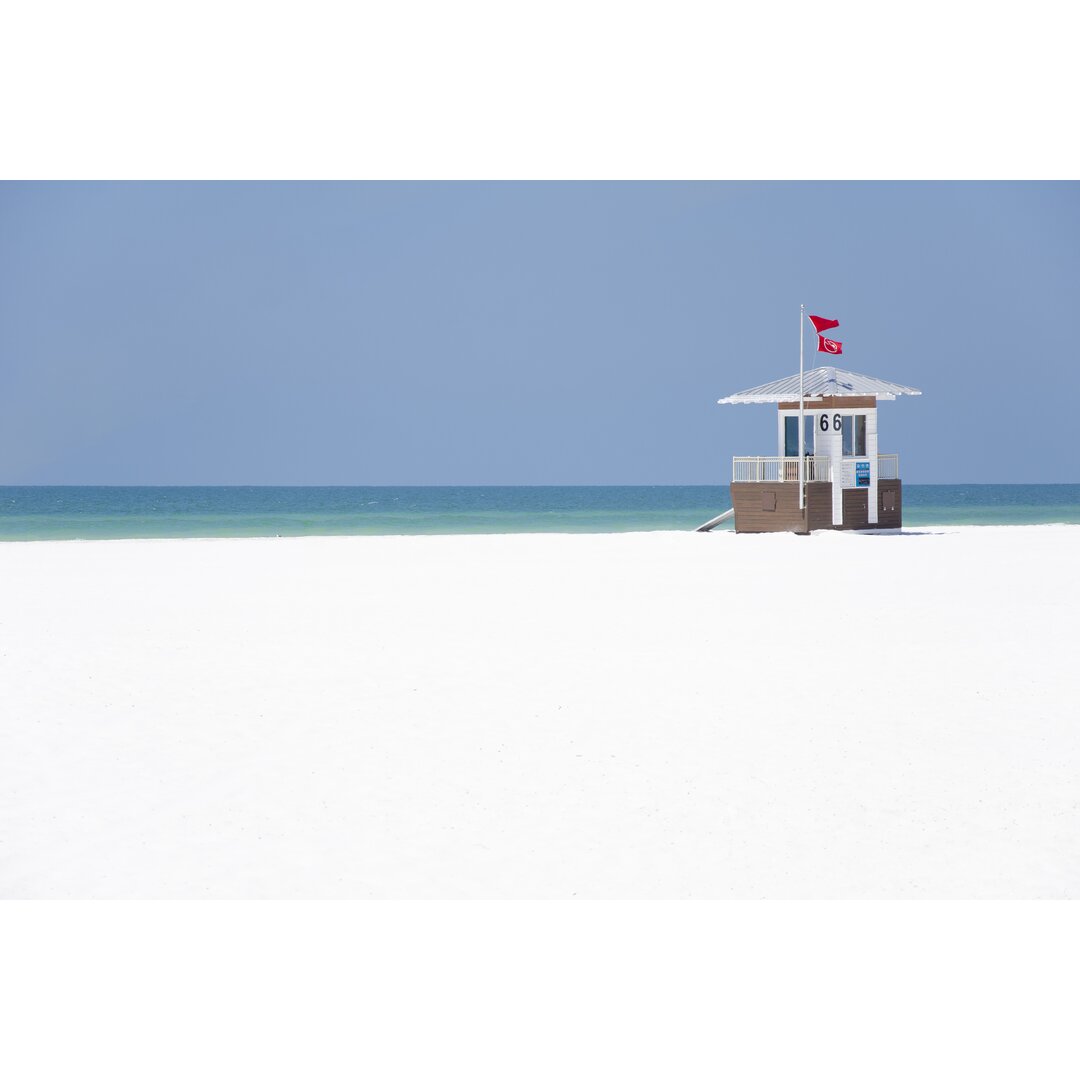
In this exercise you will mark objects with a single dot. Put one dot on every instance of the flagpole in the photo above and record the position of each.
(802, 426)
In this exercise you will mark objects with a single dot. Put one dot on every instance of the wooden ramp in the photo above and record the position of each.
(710, 525)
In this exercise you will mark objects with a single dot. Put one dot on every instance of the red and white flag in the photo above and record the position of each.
(825, 344)
(821, 325)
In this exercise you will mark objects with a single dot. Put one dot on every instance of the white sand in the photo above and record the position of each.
(647, 715)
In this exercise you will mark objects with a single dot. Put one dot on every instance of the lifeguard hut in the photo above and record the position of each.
(828, 472)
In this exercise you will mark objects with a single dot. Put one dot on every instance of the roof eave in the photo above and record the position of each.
(775, 399)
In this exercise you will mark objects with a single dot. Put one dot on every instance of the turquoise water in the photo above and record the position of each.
(64, 513)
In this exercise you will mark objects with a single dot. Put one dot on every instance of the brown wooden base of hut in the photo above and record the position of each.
(765, 507)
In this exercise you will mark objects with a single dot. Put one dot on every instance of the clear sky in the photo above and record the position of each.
(522, 333)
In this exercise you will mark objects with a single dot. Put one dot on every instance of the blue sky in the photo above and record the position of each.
(522, 333)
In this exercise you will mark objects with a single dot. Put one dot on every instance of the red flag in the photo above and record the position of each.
(825, 344)
(821, 325)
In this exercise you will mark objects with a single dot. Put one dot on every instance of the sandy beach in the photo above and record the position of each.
(650, 715)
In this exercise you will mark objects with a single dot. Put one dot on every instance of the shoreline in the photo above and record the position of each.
(90, 513)
(907, 530)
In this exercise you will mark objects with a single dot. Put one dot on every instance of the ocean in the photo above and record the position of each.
(101, 513)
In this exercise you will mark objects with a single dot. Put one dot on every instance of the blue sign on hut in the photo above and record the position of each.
(828, 472)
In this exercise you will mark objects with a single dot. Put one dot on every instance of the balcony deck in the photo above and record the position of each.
(773, 470)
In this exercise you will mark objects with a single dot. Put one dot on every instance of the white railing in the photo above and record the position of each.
(888, 469)
(758, 470)
(776, 470)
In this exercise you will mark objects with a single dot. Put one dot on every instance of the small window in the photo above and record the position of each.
(853, 435)
(791, 435)
(860, 436)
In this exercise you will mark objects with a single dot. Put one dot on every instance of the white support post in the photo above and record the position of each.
(802, 425)
(872, 453)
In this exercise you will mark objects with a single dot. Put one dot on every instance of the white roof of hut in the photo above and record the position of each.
(820, 382)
